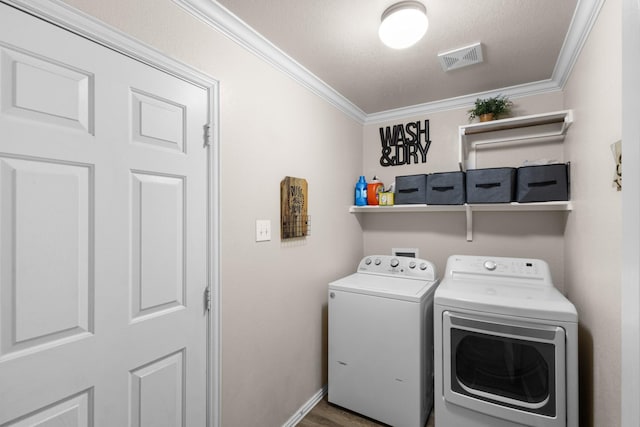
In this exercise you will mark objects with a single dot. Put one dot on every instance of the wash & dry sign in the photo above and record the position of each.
(404, 144)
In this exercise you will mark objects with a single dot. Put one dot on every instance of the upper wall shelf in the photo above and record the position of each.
(547, 126)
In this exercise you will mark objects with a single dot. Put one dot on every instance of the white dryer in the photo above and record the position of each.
(506, 346)
(381, 340)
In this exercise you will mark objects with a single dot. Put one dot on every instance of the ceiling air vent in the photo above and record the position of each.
(462, 57)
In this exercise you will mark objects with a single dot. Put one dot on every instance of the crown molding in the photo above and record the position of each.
(583, 20)
(519, 91)
(217, 16)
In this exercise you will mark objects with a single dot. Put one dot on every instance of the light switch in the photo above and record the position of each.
(263, 230)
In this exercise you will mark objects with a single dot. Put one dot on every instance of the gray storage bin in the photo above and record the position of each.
(446, 188)
(411, 189)
(543, 183)
(492, 185)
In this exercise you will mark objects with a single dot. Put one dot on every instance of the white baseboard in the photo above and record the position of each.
(306, 408)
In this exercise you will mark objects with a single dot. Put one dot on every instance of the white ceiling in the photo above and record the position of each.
(527, 45)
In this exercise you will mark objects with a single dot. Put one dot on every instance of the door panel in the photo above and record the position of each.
(157, 393)
(40, 89)
(71, 412)
(157, 121)
(103, 235)
(44, 293)
(158, 253)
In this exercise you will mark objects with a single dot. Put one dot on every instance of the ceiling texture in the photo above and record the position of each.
(332, 47)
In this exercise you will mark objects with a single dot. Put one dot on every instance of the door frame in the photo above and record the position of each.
(71, 19)
(630, 289)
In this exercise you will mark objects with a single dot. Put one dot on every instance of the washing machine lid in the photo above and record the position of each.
(508, 286)
(415, 290)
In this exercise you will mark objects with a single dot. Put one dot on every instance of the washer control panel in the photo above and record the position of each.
(466, 267)
(398, 266)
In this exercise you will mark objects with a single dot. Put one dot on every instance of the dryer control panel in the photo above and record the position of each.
(398, 266)
(465, 267)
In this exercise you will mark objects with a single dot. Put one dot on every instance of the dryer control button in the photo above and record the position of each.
(394, 262)
(423, 266)
(378, 261)
(412, 264)
(490, 265)
(367, 261)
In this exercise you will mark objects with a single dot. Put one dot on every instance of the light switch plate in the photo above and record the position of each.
(263, 230)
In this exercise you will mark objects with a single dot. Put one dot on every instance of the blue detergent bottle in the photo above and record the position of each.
(361, 192)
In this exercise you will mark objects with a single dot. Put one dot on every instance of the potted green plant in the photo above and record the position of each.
(490, 108)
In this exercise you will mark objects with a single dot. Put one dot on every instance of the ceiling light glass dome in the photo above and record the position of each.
(403, 24)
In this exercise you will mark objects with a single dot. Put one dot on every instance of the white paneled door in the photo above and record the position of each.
(103, 235)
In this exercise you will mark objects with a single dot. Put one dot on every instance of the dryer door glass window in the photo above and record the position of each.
(514, 372)
(506, 367)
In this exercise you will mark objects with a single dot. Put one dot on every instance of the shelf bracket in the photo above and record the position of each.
(469, 214)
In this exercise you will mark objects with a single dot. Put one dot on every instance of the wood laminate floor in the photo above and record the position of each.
(326, 415)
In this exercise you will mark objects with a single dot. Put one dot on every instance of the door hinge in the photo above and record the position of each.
(207, 299)
(208, 135)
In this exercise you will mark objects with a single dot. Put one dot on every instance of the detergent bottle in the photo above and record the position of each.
(374, 188)
(361, 192)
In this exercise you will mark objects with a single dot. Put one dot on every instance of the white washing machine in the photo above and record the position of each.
(381, 340)
(506, 346)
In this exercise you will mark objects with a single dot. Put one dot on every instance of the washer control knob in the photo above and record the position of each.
(412, 264)
(377, 262)
(490, 265)
(367, 261)
(423, 266)
(394, 262)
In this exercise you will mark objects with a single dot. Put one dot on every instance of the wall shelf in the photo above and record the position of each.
(480, 207)
(468, 209)
(547, 126)
(537, 127)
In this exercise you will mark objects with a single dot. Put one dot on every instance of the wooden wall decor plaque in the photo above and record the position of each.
(294, 221)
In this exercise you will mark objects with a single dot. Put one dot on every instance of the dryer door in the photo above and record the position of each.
(505, 368)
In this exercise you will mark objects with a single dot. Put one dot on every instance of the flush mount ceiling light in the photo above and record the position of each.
(403, 24)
